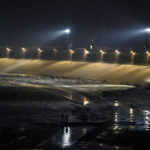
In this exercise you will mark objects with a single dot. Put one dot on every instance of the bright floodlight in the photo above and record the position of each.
(148, 30)
(67, 31)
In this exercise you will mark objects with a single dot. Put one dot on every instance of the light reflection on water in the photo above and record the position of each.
(116, 103)
(84, 130)
(116, 117)
(115, 121)
(131, 113)
(66, 137)
(70, 96)
(85, 101)
(146, 114)
(75, 96)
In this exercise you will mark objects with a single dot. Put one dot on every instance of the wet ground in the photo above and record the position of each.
(31, 108)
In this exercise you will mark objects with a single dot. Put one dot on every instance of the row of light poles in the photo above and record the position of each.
(85, 54)
(68, 31)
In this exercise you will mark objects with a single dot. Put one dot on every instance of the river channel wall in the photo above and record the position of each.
(106, 72)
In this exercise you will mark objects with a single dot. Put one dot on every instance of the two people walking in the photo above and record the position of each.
(64, 117)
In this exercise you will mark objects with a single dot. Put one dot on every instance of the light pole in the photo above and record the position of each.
(67, 31)
(71, 52)
(132, 56)
(24, 50)
(102, 55)
(85, 53)
(147, 57)
(39, 53)
(117, 53)
(8, 50)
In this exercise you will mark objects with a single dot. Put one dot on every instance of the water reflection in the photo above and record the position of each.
(85, 101)
(84, 130)
(74, 96)
(66, 138)
(125, 114)
(115, 128)
(116, 103)
(116, 117)
(70, 96)
(146, 119)
(131, 113)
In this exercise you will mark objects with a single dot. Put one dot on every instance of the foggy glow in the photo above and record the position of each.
(13, 66)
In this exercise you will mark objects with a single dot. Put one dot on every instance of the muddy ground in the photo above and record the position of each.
(31, 110)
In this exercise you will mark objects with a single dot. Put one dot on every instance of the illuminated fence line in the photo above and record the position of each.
(85, 53)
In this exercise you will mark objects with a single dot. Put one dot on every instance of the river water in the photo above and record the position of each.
(71, 89)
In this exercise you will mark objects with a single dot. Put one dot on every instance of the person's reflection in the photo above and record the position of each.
(66, 138)
(66, 130)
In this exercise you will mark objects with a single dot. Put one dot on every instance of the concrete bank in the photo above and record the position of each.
(112, 73)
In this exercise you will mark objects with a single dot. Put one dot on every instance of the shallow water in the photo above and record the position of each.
(132, 114)
(67, 136)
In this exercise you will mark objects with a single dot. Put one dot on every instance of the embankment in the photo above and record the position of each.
(112, 73)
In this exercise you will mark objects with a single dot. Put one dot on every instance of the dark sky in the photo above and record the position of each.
(107, 22)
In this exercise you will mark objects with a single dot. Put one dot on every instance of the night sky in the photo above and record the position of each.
(107, 22)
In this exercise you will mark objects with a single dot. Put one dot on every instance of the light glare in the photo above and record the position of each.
(67, 31)
(148, 30)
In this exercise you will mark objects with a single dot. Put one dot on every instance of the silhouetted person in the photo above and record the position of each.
(62, 117)
(67, 118)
